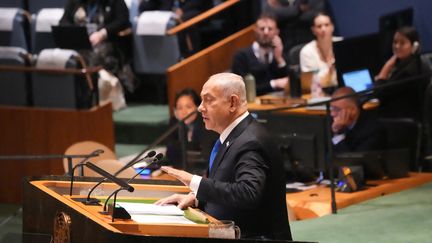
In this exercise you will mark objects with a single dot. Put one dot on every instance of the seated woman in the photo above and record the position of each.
(403, 100)
(199, 141)
(317, 56)
(105, 20)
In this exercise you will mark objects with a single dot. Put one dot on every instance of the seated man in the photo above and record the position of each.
(354, 130)
(264, 59)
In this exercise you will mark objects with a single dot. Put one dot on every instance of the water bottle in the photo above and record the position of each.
(249, 80)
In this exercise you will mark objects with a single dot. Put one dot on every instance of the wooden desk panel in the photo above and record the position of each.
(317, 202)
(42, 131)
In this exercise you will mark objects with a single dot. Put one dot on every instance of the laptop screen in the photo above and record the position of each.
(359, 80)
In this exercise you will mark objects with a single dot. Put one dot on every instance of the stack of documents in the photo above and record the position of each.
(151, 213)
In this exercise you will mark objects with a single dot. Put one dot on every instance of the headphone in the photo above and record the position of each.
(415, 47)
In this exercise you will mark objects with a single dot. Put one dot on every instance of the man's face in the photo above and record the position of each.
(323, 27)
(265, 31)
(214, 107)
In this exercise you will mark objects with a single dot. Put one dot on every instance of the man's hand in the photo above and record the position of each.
(182, 201)
(280, 83)
(341, 121)
(181, 175)
(278, 50)
(97, 37)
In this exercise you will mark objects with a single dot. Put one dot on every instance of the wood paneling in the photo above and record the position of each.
(38, 131)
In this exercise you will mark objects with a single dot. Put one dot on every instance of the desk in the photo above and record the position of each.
(275, 101)
(316, 202)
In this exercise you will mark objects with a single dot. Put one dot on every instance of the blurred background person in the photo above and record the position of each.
(264, 59)
(404, 100)
(354, 130)
(190, 40)
(199, 141)
(294, 19)
(317, 57)
(105, 21)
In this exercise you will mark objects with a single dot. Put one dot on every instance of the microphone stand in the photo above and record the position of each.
(123, 185)
(69, 157)
(94, 201)
(329, 157)
(112, 210)
(137, 159)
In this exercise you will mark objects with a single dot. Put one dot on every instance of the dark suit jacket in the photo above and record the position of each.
(246, 62)
(115, 13)
(366, 135)
(191, 8)
(247, 184)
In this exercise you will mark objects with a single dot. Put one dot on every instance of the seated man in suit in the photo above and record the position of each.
(264, 59)
(246, 179)
(353, 129)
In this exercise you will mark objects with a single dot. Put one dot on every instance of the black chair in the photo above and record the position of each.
(14, 86)
(404, 133)
(63, 89)
(15, 28)
(36, 5)
(41, 28)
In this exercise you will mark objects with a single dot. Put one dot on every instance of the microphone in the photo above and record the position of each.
(157, 158)
(71, 171)
(110, 177)
(96, 201)
(132, 162)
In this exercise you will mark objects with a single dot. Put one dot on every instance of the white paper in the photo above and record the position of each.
(147, 208)
(160, 219)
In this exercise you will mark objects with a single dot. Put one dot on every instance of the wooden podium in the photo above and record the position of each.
(46, 200)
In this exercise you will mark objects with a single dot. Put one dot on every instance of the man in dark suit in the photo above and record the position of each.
(246, 180)
(353, 129)
(264, 59)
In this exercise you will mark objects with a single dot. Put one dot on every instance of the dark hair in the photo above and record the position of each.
(409, 32)
(267, 15)
(188, 92)
(316, 15)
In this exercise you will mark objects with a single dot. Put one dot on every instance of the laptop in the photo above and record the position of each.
(71, 37)
(359, 80)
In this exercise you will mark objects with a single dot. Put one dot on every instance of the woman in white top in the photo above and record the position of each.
(317, 56)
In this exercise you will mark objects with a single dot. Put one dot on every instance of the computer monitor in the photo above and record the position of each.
(361, 52)
(301, 139)
(359, 80)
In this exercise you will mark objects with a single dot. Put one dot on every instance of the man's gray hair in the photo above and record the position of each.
(231, 83)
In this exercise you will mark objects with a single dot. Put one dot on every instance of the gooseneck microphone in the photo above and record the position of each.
(96, 201)
(80, 164)
(157, 158)
(110, 177)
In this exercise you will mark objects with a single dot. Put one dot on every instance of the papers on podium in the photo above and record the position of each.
(151, 213)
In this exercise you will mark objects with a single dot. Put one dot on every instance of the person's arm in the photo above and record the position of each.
(386, 69)
(68, 15)
(119, 20)
(149, 5)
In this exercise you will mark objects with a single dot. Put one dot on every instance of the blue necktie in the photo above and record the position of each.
(214, 152)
